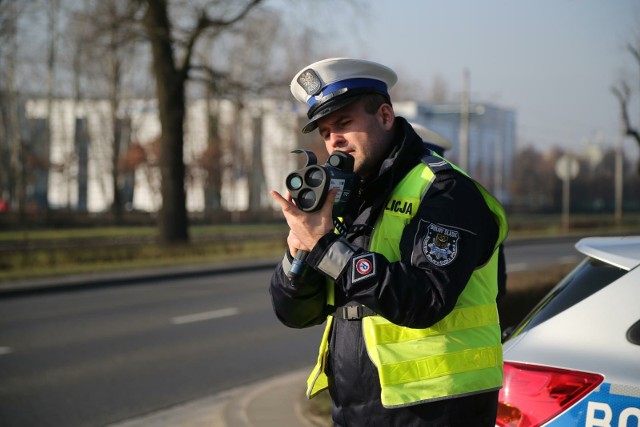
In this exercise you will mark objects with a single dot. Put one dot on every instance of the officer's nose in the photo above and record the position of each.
(336, 140)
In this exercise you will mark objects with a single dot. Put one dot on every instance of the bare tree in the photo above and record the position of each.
(622, 91)
(533, 181)
(106, 37)
(211, 159)
(172, 53)
(251, 58)
(13, 140)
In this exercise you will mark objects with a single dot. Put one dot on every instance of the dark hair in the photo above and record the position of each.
(373, 101)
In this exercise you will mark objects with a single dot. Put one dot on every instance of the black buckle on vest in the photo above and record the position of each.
(354, 312)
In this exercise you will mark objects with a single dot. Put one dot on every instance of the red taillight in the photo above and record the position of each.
(532, 395)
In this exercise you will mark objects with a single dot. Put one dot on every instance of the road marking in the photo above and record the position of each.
(5, 350)
(207, 315)
(517, 266)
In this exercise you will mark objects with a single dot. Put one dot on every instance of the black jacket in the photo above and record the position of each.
(412, 292)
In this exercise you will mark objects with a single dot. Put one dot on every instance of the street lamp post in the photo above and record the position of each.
(567, 168)
(618, 178)
(464, 123)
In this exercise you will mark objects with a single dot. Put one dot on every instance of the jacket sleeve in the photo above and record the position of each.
(424, 285)
(301, 302)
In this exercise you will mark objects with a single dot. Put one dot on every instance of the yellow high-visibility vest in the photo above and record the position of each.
(459, 355)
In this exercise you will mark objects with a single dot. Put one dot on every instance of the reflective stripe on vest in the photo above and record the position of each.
(318, 380)
(457, 356)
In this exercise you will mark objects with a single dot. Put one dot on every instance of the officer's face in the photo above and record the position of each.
(364, 136)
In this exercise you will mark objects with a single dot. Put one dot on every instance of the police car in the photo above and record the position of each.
(575, 359)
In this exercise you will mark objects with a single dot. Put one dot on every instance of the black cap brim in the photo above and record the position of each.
(332, 105)
(328, 108)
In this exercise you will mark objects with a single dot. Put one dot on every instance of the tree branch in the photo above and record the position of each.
(623, 93)
(205, 22)
(635, 51)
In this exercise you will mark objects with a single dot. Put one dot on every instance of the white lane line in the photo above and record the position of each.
(5, 350)
(517, 266)
(207, 315)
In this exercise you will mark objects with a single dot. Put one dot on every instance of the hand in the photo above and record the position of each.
(306, 228)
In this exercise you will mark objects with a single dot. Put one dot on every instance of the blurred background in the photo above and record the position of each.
(112, 112)
(139, 140)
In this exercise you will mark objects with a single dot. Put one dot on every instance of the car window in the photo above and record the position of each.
(586, 279)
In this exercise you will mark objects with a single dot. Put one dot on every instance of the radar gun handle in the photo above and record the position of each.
(297, 265)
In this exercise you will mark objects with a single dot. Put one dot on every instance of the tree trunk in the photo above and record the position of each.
(173, 222)
(116, 131)
(17, 191)
(213, 163)
(256, 171)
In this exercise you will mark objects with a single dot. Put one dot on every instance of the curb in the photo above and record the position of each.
(128, 277)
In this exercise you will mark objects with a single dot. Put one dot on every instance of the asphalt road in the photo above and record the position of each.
(540, 253)
(93, 356)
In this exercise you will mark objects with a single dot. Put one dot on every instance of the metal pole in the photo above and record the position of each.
(464, 123)
(566, 191)
(618, 178)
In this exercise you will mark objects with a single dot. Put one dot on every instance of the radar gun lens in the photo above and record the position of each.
(314, 177)
(306, 199)
(295, 182)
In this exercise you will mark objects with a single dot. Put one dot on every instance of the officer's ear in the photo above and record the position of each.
(387, 116)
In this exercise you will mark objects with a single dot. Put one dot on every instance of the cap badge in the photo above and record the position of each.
(310, 82)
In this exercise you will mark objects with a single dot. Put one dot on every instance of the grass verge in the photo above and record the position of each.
(22, 265)
(53, 253)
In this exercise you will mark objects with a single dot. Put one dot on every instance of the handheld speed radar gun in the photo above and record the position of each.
(310, 185)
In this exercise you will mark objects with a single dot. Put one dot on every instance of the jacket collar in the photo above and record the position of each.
(405, 153)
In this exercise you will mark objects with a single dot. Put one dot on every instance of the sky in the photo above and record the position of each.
(552, 61)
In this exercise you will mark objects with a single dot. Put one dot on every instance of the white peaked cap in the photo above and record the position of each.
(328, 85)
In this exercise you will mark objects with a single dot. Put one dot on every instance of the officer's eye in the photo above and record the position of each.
(345, 123)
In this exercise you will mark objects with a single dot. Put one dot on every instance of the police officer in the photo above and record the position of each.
(433, 140)
(412, 336)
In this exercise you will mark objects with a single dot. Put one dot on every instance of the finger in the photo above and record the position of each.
(331, 200)
(293, 243)
(284, 203)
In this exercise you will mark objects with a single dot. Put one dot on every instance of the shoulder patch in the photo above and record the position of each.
(363, 267)
(440, 245)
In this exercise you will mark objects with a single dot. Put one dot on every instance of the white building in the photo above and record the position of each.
(256, 144)
(272, 126)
